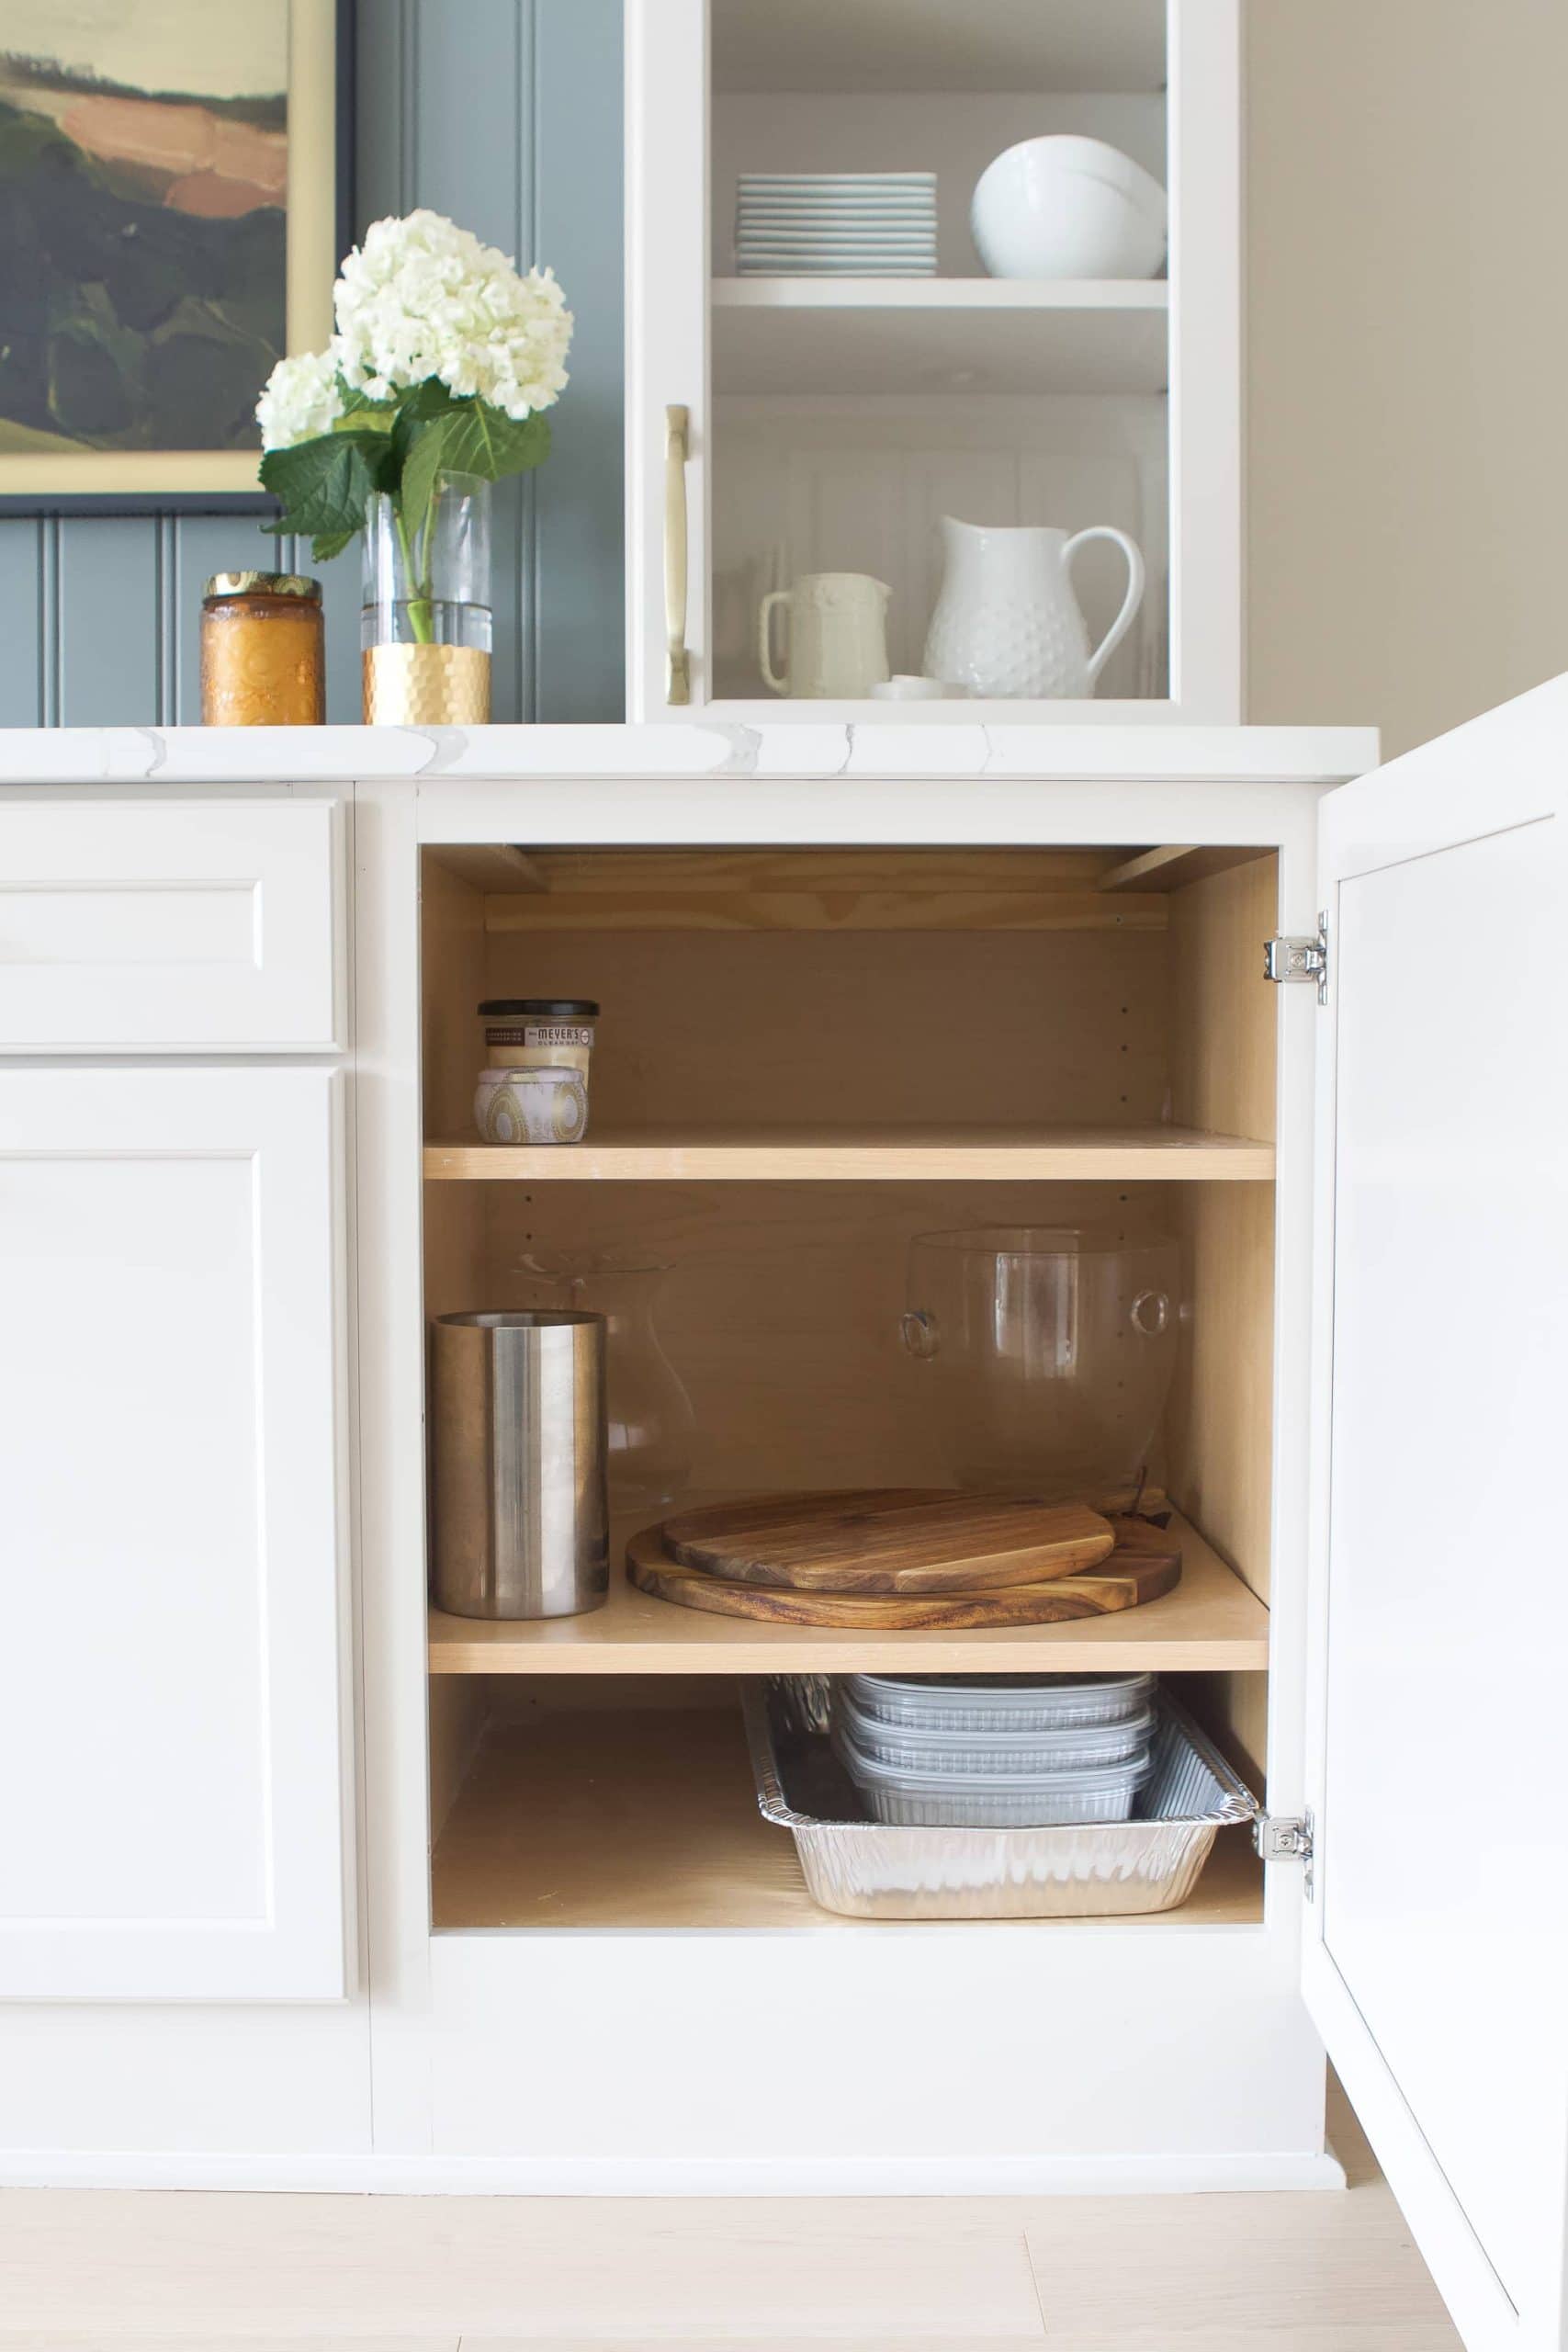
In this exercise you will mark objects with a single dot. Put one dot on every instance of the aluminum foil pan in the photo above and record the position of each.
(872, 1871)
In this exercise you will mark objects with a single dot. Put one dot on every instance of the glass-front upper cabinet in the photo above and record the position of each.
(934, 359)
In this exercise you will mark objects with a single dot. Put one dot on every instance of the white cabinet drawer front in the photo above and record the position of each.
(171, 926)
(172, 1749)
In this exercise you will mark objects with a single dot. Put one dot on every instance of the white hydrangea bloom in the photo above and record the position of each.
(300, 399)
(423, 297)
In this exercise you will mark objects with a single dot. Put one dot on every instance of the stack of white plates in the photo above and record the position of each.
(856, 224)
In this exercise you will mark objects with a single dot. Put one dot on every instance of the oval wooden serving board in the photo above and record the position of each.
(889, 1538)
(1144, 1565)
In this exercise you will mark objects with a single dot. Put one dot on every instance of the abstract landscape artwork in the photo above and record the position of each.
(168, 182)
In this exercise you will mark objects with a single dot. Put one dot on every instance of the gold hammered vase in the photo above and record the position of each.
(426, 685)
(425, 622)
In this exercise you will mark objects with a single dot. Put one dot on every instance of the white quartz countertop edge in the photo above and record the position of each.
(681, 749)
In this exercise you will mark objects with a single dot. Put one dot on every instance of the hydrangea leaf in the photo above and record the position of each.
(325, 484)
(479, 439)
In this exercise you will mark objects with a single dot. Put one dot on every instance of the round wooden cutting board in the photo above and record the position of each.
(1140, 1568)
(889, 1538)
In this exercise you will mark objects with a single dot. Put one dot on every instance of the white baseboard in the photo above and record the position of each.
(355, 2174)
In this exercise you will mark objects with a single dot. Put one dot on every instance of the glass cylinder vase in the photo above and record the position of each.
(425, 620)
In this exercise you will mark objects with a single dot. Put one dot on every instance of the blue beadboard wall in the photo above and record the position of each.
(505, 114)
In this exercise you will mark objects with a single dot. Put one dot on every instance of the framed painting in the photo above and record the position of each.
(176, 191)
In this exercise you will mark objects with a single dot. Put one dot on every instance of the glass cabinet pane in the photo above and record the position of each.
(870, 377)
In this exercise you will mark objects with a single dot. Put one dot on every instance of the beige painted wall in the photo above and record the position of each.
(1408, 357)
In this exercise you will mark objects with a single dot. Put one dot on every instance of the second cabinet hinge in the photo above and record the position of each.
(1281, 1837)
(1295, 957)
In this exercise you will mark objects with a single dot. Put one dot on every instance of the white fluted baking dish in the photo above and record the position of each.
(996, 1704)
(958, 1755)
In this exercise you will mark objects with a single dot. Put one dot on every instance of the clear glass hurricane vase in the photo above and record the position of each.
(425, 616)
(652, 1428)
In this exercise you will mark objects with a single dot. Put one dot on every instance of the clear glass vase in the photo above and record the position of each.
(652, 1428)
(424, 629)
(1045, 1353)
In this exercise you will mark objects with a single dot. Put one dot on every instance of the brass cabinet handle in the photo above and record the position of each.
(677, 422)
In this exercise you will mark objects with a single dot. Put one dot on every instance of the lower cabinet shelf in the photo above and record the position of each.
(646, 1818)
(1212, 1623)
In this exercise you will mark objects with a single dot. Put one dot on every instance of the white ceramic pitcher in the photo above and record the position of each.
(1006, 621)
(837, 635)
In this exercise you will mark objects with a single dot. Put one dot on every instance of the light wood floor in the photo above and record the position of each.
(96, 2272)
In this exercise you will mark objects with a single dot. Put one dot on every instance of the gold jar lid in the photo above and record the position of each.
(266, 584)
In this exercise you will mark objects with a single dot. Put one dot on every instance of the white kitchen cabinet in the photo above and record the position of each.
(175, 1771)
(782, 425)
(572, 1910)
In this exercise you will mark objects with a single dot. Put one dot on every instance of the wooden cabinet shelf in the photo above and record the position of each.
(1211, 1622)
(648, 1818)
(1086, 1155)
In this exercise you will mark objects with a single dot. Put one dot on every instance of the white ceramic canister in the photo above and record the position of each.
(531, 1107)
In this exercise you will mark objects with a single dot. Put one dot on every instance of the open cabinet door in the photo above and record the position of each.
(1436, 1963)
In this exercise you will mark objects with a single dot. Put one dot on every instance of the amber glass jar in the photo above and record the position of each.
(261, 650)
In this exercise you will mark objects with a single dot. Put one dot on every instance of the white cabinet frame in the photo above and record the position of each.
(465, 2094)
(669, 364)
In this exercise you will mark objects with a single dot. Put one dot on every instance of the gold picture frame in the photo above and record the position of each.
(46, 472)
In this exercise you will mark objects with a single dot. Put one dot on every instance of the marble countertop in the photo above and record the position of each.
(684, 750)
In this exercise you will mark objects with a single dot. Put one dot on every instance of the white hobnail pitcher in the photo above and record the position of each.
(1006, 621)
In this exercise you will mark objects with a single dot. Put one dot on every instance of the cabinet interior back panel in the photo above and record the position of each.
(860, 484)
(780, 1307)
(854, 1030)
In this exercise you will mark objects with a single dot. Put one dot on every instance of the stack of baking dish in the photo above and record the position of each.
(862, 1858)
(974, 1752)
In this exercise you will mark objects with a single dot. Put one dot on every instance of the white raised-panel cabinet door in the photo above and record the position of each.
(667, 356)
(172, 1724)
(1437, 1959)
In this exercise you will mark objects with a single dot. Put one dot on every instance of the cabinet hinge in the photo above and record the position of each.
(1287, 957)
(1281, 1837)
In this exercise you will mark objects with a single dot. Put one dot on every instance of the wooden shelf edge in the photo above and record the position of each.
(1211, 1624)
(1160, 1154)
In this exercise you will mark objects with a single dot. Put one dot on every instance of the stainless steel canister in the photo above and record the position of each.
(521, 1525)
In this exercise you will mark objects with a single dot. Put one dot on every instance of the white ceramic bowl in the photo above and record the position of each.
(1068, 207)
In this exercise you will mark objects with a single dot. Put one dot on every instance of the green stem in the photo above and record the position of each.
(419, 619)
